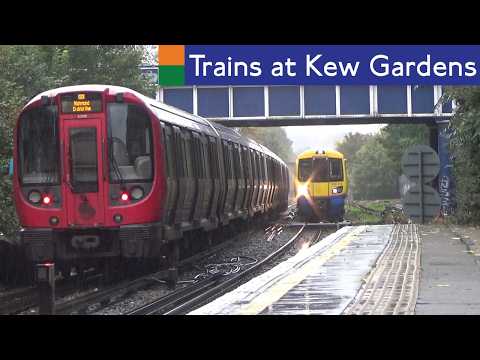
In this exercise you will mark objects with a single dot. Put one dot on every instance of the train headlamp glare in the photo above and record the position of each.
(337, 190)
(303, 190)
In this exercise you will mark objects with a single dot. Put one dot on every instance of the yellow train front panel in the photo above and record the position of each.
(321, 184)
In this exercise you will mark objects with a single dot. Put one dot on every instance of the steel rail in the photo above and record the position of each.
(190, 297)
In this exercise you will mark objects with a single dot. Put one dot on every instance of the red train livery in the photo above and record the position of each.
(105, 172)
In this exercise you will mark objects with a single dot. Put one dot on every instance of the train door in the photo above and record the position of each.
(84, 174)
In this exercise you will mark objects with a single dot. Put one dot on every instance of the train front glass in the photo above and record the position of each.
(39, 147)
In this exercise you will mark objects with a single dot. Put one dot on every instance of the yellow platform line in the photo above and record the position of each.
(276, 291)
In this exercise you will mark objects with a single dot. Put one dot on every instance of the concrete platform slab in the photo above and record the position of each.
(450, 276)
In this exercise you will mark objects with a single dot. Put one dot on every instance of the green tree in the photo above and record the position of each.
(274, 138)
(373, 172)
(351, 144)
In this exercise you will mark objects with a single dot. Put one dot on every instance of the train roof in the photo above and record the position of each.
(175, 115)
(320, 153)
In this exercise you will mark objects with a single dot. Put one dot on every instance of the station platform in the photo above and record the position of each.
(382, 269)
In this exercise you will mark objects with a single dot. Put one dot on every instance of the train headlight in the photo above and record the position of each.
(54, 220)
(337, 190)
(124, 196)
(34, 197)
(47, 200)
(137, 193)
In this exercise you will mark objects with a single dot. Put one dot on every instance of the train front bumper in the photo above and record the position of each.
(322, 207)
(131, 241)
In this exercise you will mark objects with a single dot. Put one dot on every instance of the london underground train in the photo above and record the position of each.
(321, 184)
(103, 172)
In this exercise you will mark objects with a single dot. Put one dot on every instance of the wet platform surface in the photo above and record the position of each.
(321, 280)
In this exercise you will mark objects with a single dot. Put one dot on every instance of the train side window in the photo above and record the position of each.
(187, 152)
(205, 160)
(196, 156)
(179, 156)
(226, 160)
(246, 171)
(213, 158)
(237, 162)
(254, 165)
(257, 163)
(167, 141)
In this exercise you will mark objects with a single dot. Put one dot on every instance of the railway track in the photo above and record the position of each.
(20, 300)
(191, 297)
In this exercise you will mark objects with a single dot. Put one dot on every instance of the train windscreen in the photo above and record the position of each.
(129, 143)
(320, 169)
(38, 146)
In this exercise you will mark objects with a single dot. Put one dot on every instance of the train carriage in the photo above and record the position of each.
(104, 172)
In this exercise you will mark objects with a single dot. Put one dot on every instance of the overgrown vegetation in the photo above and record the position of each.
(374, 212)
(464, 147)
(29, 70)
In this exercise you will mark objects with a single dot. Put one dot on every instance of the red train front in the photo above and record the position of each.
(84, 174)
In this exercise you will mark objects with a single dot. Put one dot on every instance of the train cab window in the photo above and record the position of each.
(336, 171)
(321, 170)
(304, 169)
(129, 143)
(38, 146)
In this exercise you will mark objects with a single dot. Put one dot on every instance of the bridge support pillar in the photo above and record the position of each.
(446, 184)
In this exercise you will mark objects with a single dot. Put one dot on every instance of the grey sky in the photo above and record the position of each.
(324, 136)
